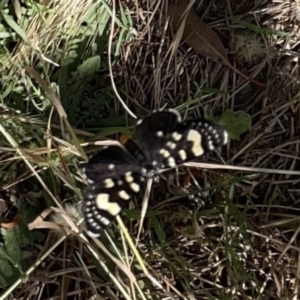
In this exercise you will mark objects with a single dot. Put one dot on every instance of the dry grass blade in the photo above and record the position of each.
(56, 102)
(240, 168)
(145, 206)
(113, 19)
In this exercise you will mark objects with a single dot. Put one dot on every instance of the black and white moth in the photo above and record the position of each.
(161, 141)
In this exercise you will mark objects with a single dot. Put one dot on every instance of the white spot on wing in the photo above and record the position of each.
(171, 162)
(103, 220)
(124, 195)
(175, 112)
(93, 235)
(177, 136)
(89, 181)
(108, 183)
(164, 153)
(159, 133)
(171, 145)
(128, 177)
(182, 154)
(111, 166)
(210, 145)
(195, 137)
(225, 138)
(102, 202)
(135, 187)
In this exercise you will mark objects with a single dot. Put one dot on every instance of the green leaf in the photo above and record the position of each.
(10, 22)
(7, 91)
(8, 274)
(114, 119)
(10, 257)
(235, 122)
(261, 30)
(207, 112)
(3, 3)
(89, 66)
(123, 16)
(158, 230)
(12, 244)
(25, 254)
(120, 41)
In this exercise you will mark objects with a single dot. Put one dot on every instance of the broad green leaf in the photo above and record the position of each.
(25, 254)
(12, 244)
(3, 3)
(8, 274)
(114, 119)
(235, 122)
(10, 257)
(89, 66)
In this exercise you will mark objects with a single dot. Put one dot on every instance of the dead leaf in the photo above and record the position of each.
(13, 223)
(196, 33)
(199, 36)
